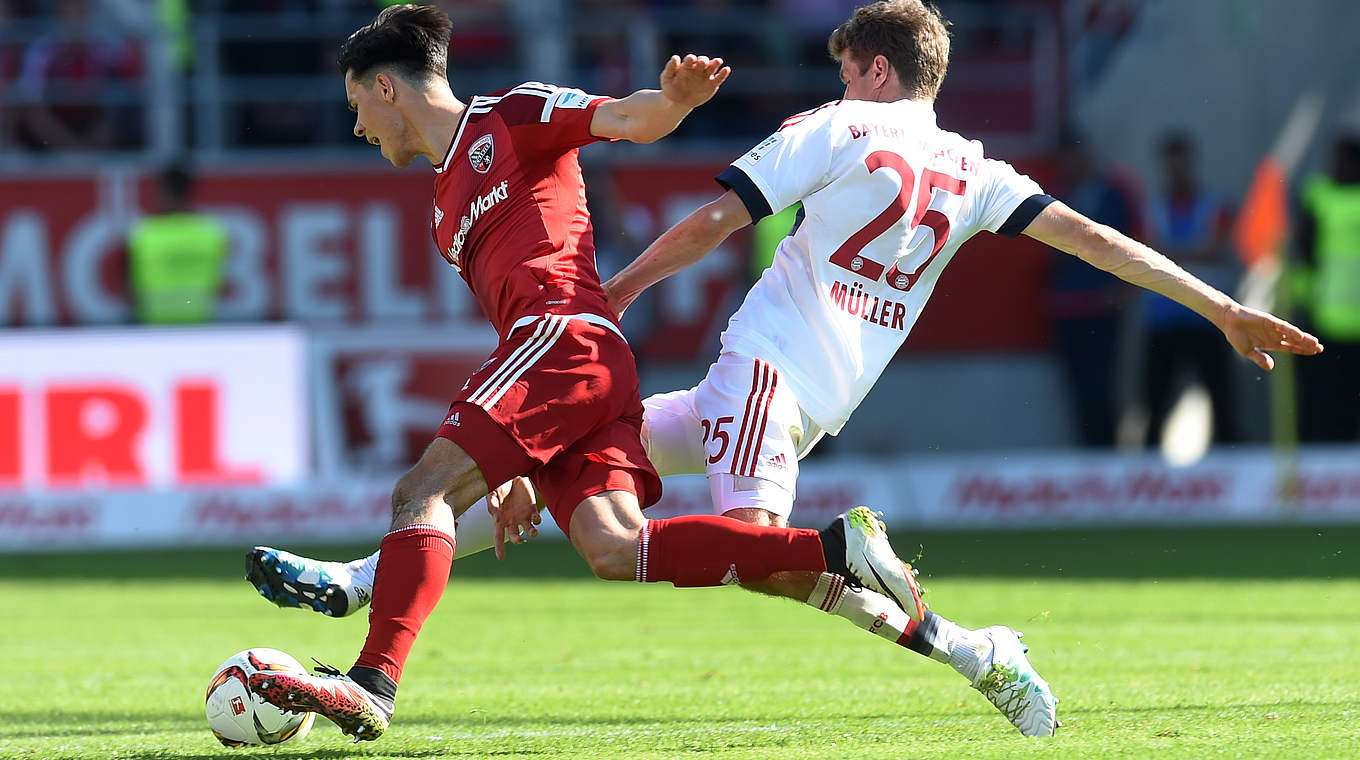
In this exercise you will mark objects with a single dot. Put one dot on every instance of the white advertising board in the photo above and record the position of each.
(150, 408)
(1058, 489)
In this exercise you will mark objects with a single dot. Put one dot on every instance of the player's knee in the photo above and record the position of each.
(401, 494)
(611, 557)
(410, 499)
(611, 567)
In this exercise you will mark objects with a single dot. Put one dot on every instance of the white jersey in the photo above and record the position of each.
(888, 197)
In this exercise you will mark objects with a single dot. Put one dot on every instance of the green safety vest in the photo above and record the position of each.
(176, 262)
(1334, 290)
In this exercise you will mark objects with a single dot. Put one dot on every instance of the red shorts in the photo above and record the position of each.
(557, 401)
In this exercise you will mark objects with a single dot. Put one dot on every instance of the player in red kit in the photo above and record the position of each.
(557, 400)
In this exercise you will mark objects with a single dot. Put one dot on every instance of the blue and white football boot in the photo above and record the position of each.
(289, 580)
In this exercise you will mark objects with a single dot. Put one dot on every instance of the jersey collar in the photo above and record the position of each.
(457, 135)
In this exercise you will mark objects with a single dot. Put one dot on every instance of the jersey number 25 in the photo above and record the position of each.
(848, 256)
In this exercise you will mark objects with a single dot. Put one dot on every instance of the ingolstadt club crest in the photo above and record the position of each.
(481, 153)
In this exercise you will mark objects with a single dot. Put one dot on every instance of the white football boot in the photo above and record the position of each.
(993, 660)
(289, 580)
(856, 546)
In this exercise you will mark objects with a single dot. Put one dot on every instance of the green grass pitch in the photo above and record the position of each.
(1193, 643)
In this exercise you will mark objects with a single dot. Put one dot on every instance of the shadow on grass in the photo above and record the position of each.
(324, 753)
(521, 736)
(1216, 707)
(1210, 552)
(19, 725)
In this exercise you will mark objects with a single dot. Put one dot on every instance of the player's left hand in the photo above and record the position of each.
(1252, 333)
(515, 506)
(617, 303)
(692, 80)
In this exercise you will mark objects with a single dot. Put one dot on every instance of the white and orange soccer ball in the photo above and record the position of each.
(239, 717)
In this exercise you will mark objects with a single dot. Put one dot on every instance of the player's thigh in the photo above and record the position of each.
(753, 434)
(608, 460)
(545, 388)
(672, 434)
(759, 501)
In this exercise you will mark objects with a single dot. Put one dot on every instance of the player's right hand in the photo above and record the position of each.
(691, 81)
(513, 505)
(1252, 333)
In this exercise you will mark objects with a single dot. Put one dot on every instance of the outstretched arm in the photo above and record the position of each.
(693, 238)
(1250, 332)
(649, 115)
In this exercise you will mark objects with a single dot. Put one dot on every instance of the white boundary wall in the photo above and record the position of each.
(1054, 489)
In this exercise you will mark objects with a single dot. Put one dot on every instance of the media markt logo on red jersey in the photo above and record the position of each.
(481, 154)
(479, 205)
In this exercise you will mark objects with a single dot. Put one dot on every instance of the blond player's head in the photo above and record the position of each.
(400, 54)
(909, 36)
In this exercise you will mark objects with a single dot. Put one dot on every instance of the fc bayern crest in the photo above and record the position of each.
(481, 153)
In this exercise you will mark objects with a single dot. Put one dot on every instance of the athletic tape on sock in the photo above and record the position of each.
(828, 593)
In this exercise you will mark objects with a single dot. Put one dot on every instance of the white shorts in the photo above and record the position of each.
(739, 426)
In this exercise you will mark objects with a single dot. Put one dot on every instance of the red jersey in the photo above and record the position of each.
(510, 206)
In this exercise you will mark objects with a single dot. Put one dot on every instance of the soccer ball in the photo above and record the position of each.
(237, 716)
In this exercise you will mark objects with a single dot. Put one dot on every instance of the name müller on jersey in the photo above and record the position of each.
(888, 197)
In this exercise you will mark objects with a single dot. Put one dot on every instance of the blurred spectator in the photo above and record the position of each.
(747, 37)
(600, 50)
(10, 56)
(1191, 226)
(482, 34)
(812, 22)
(175, 20)
(1085, 302)
(275, 116)
(1099, 28)
(75, 84)
(1329, 287)
(176, 257)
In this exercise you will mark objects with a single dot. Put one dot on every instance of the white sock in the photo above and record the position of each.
(879, 615)
(474, 533)
(939, 634)
(362, 570)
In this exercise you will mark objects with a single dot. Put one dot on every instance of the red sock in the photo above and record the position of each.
(410, 579)
(707, 550)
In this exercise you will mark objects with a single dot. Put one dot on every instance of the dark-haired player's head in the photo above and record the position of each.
(907, 37)
(405, 48)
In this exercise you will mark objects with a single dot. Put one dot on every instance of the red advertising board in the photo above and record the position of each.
(381, 393)
(352, 246)
(338, 246)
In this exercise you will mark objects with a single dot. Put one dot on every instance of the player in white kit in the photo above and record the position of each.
(888, 197)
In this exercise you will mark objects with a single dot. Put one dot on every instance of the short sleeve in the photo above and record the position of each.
(549, 120)
(785, 167)
(1009, 200)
